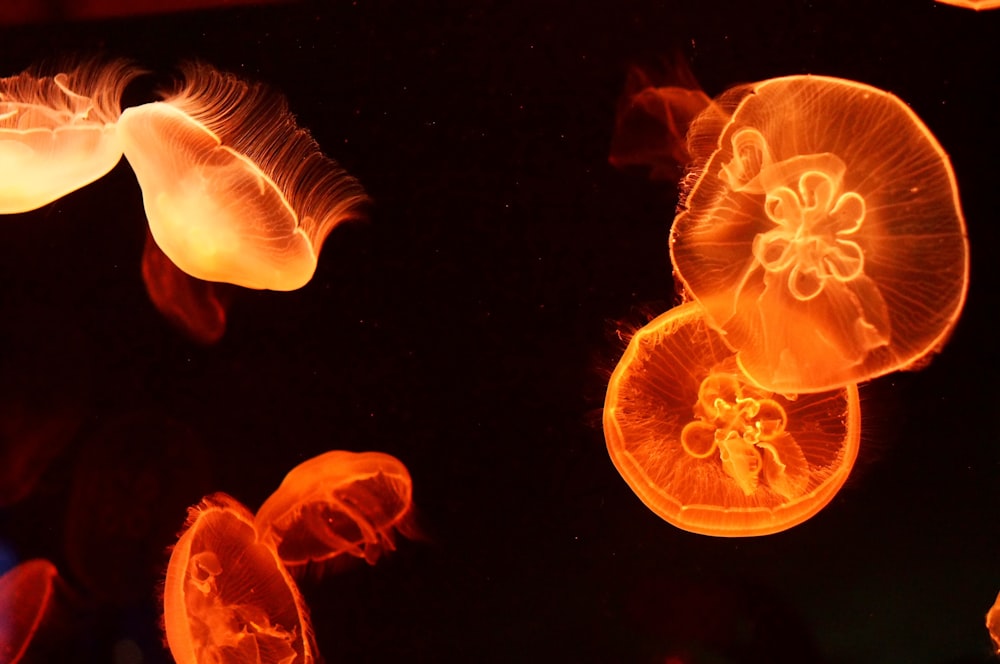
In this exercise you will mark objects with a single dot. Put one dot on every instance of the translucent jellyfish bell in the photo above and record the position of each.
(227, 597)
(823, 233)
(233, 189)
(337, 503)
(57, 133)
(710, 452)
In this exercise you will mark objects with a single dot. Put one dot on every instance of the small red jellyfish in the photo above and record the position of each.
(26, 595)
(227, 597)
(337, 503)
(709, 451)
(193, 306)
(823, 234)
(652, 122)
(234, 190)
(58, 133)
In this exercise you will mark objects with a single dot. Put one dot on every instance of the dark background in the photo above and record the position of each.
(469, 327)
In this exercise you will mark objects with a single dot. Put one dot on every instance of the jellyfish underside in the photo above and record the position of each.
(227, 596)
(210, 209)
(57, 134)
(746, 430)
(809, 261)
(335, 504)
(709, 451)
(804, 238)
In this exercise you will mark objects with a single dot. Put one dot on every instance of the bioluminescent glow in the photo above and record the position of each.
(337, 503)
(58, 132)
(822, 233)
(709, 451)
(233, 189)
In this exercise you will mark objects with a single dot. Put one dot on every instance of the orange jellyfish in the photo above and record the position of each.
(975, 5)
(234, 190)
(993, 624)
(709, 451)
(57, 133)
(193, 306)
(337, 503)
(227, 597)
(26, 595)
(823, 233)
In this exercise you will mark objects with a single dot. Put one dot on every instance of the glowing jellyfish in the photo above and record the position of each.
(227, 597)
(57, 133)
(337, 503)
(193, 306)
(823, 234)
(710, 452)
(233, 189)
(26, 595)
(975, 5)
(993, 624)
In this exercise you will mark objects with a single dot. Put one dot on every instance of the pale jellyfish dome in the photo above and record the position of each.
(821, 232)
(337, 503)
(710, 452)
(58, 132)
(234, 190)
(227, 597)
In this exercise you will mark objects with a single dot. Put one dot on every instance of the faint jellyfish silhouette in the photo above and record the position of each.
(710, 452)
(233, 189)
(131, 477)
(337, 503)
(669, 615)
(227, 597)
(45, 389)
(37, 615)
(652, 122)
(57, 133)
(823, 234)
(975, 5)
(993, 624)
(197, 308)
